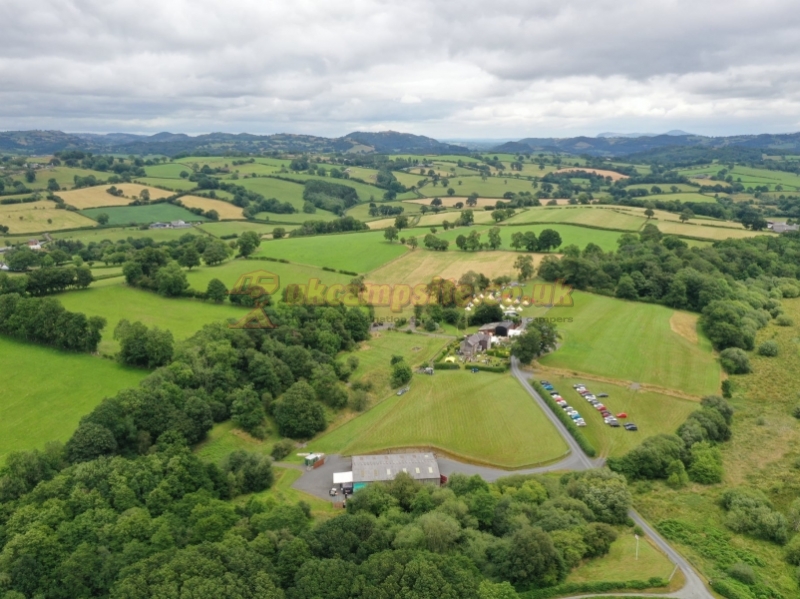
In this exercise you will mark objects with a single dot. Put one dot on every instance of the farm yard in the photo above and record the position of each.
(486, 418)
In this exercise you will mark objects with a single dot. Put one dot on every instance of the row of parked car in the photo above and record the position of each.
(608, 417)
(571, 412)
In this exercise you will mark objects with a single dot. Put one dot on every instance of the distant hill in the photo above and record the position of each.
(625, 146)
(171, 144)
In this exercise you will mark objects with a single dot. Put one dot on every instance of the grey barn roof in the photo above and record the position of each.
(371, 468)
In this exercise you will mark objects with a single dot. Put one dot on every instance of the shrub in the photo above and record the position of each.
(750, 512)
(793, 551)
(768, 348)
(401, 374)
(796, 411)
(727, 388)
(743, 573)
(784, 321)
(281, 449)
(706, 465)
(735, 361)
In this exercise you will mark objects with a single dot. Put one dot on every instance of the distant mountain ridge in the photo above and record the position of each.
(171, 144)
(385, 142)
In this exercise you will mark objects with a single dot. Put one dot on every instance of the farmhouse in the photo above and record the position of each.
(367, 469)
(176, 224)
(34, 244)
(781, 227)
(475, 344)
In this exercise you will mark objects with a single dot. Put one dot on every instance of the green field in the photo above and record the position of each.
(632, 341)
(167, 171)
(285, 191)
(622, 564)
(125, 215)
(295, 218)
(605, 218)
(167, 183)
(183, 317)
(46, 392)
(570, 235)
(683, 197)
(654, 413)
(481, 417)
(358, 252)
(374, 357)
(97, 235)
(229, 273)
(492, 187)
(235, 228)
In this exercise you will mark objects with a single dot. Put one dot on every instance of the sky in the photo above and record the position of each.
(463, 69)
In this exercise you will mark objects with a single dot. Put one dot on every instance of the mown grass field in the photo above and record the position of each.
(482, 417)
(98, 197)
(296, 218)
(361, 211)
(621, 564)
(492, 187)
(420, 266)
(749, 177)
(450, 202)
(235, 228)
(606, 218)
(285, 191)
(696, 198)
(183, 317)
(435, 220)
(36, 217)
(171, 184)
(143, 215)
(631, 341)
(226, 210)
(97, 235)
(654, 413)
(64, 176)
(46, 392)
(357, 252)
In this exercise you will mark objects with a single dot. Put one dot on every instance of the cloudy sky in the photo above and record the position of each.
(449, 69)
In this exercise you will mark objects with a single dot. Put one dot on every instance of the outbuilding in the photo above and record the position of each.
(367, 469)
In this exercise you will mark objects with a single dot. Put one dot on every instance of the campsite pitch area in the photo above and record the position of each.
(183, 317)
(487, 418)
(46, 392)
(631, 341)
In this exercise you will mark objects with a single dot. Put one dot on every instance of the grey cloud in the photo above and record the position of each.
(507, 67)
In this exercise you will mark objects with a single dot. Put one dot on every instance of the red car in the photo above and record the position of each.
(622, 415)
(600, 407)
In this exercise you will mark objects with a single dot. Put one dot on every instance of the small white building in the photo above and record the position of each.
(34, 244)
